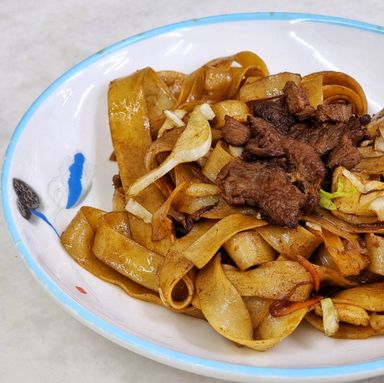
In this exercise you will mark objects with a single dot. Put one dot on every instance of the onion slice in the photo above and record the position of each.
(138, 210)
(193, 143)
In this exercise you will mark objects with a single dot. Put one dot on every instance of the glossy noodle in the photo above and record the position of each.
(175, 238)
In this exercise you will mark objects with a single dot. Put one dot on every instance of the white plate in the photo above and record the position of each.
(71, 117)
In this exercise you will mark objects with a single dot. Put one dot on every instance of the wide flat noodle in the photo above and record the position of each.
(277, 280)
(375, 249)
(227, 313)
(340, 87)
(370, 296)
(204, 248)
(273, 280)
(345, 331)
(125, 255)
(290, 242)
(131, 136)
(267, 87)
(314, 88)
(249, 249)
(222, 210)
(258, 309)
(348, 257)
(158, 98)
(162, 226)
(175, 268)
(78, 239)
(332, 277)
(216, 160)
(371, 166)
(339, 227)
(251, 66)
(219, 79)
(173, 80)
(348, 313)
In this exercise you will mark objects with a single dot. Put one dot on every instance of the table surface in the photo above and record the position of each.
(39, 341)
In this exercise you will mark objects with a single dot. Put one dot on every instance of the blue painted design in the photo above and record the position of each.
(131, 341)
(75, 187)
(40, 215)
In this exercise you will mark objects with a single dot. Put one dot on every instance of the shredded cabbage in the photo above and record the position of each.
(326, 197)
(330, 317)
(363, 187)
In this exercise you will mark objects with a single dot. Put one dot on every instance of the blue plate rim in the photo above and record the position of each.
(148, 349)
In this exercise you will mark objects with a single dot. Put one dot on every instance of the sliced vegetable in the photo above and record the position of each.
(207, 111)
(326, 197)
(176, 116)
(236, 151)
(138, 210)
(174, 119)
(193, 143)
(330, 317)
(313, 226)
(361, 185)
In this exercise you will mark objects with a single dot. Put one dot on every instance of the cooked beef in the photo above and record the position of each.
(265, 184)
(304, 164)
(326, 137)
(287, 146)
(265, 141)
(274, 111)
(356, 130)
(116, 180)
(322, 138)
(333, 113)
(235, 132)
(365, 119)
(300, 131)
(308, 169)
(344, 154)
(305, 159)
(184, 222)
(297, 101)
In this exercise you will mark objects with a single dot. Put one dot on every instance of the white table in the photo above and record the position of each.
(39, 342)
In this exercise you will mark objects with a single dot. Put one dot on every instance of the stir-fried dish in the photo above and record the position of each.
(252, 201)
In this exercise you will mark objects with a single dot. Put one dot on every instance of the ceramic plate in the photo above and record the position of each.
(65, 135)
